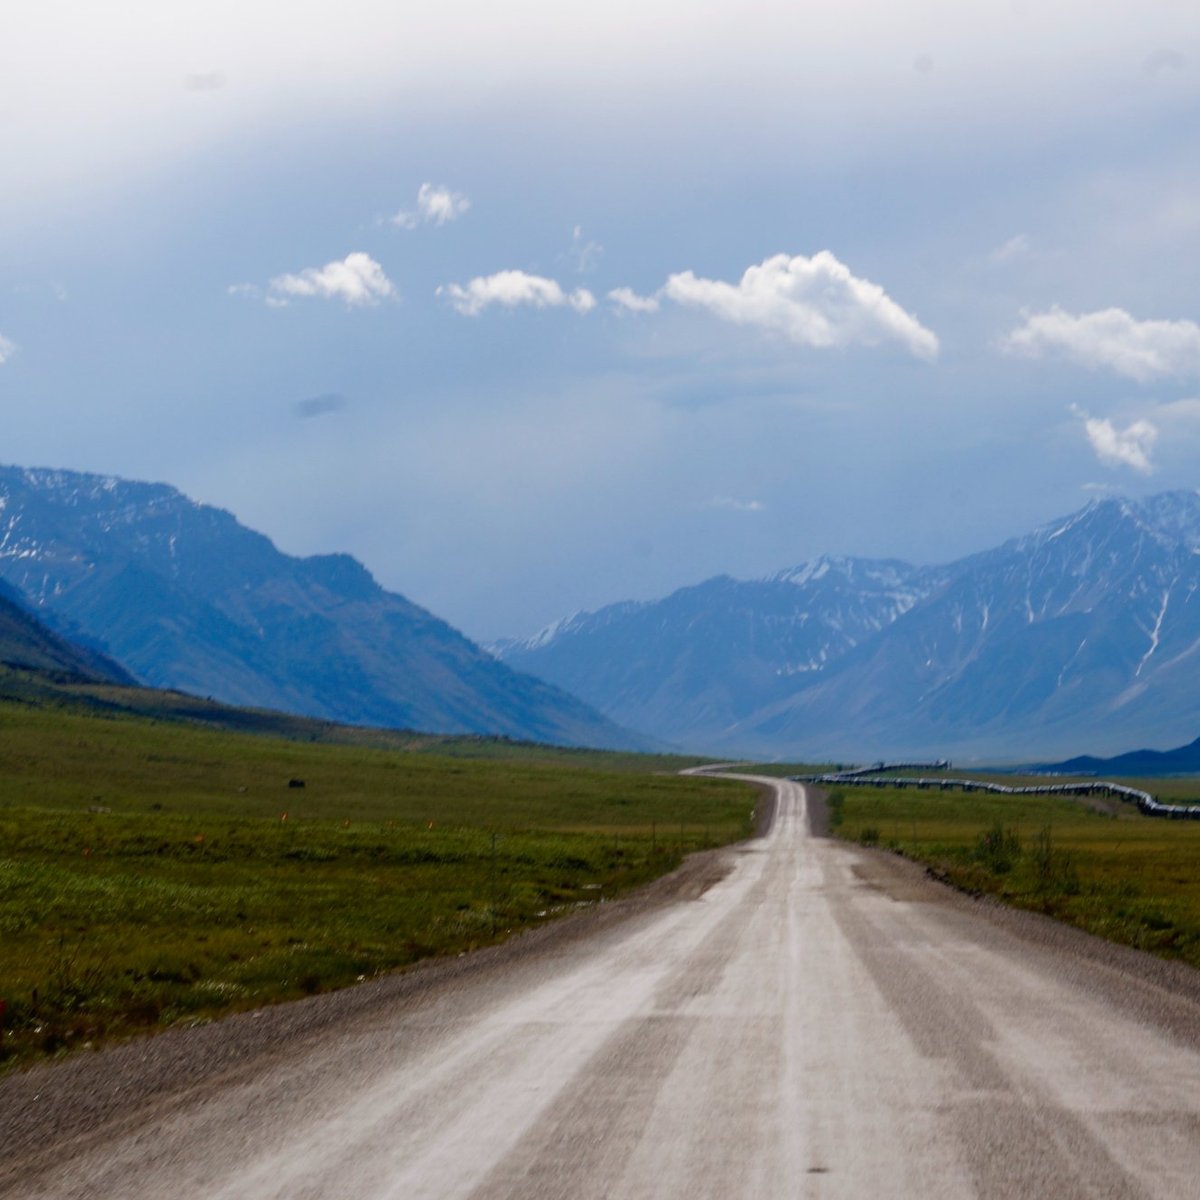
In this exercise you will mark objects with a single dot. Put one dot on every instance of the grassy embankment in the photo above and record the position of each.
(1097, 865)
(155, 872)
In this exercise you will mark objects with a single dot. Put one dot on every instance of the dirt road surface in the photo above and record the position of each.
(820, 1022)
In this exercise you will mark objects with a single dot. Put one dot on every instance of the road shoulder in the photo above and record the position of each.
(51, 1109)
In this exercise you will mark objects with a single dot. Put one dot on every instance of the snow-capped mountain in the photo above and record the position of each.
(1084, 634)
(696, 664)
(185, 597)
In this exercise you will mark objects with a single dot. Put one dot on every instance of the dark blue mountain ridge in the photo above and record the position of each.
(188, 598)
(1182, 760)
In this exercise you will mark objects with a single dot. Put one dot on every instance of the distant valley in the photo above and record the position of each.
(1081, 637)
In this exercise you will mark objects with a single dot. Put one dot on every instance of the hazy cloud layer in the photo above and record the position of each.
(584, 253)
(1112, 339)
(512, 289)
(1129, 447)
(7, 349)
(814, 302)
(357, 279)
(435, 206)
(206, 81)
(1186, 410)
(1164, 60)
(1018, 246)
(93, 69)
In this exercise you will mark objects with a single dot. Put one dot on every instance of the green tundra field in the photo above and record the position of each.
(1098, 864)
(154, 871)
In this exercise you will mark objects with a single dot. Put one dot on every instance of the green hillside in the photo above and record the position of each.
(156, 868)
(25, 642)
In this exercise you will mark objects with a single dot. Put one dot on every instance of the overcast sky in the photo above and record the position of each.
(535, 306)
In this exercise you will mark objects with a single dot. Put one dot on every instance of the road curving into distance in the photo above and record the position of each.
(822, 1021)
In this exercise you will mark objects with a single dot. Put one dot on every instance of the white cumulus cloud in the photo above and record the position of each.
(812, 301)
(1129, 447)
(435, 206)
(357, 279)
(1112, 339)
(510, 289)
(627, 300)
(7, 349)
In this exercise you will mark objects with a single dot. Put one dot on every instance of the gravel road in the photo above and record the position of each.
(807, 1020)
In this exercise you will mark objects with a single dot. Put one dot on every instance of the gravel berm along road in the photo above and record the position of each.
(820, 1021)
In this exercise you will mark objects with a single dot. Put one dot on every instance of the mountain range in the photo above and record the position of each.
(1180, 760)
(184, 597)
(1083, 634)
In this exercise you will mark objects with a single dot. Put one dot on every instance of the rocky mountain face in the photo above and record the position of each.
(187, 598)
(1084, 634)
